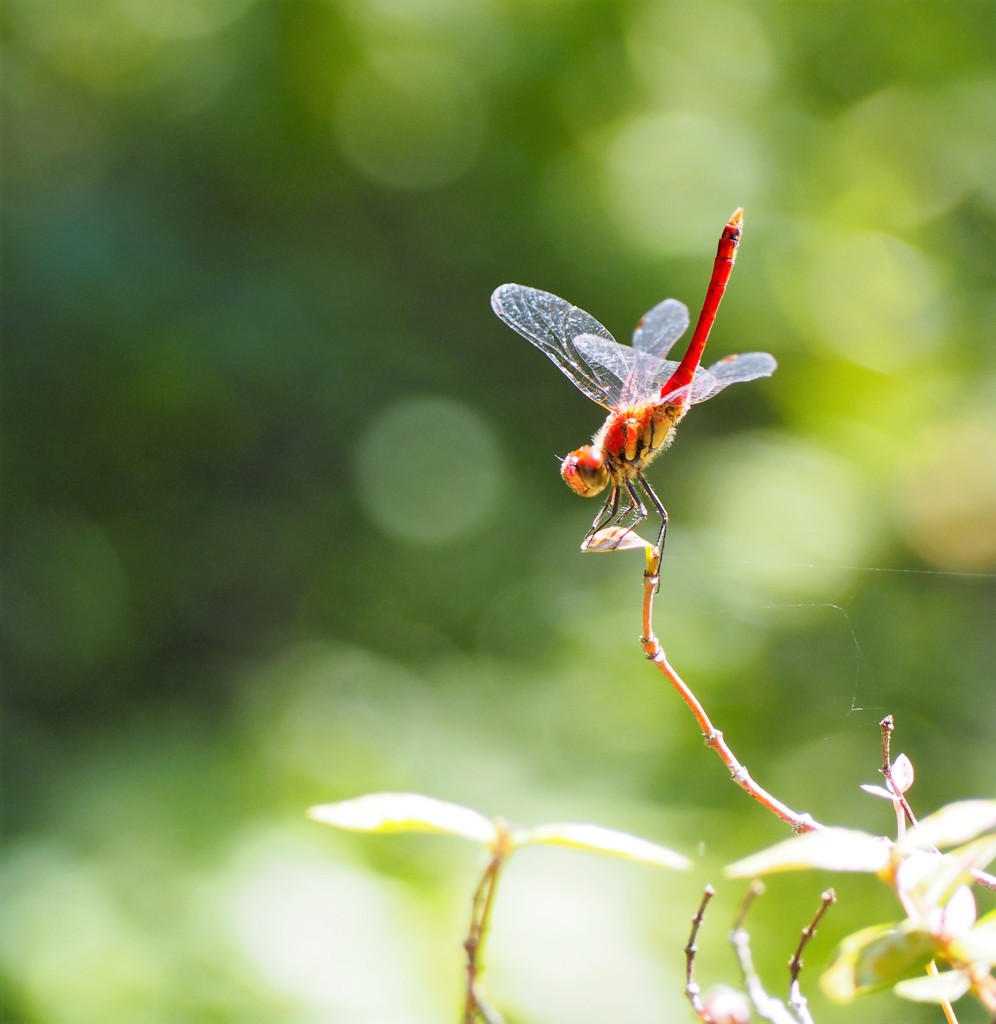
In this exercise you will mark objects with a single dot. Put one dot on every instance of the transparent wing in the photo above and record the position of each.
(659, 329)
(731, 370)
(554, 326)
(626, 373)
(641, 370)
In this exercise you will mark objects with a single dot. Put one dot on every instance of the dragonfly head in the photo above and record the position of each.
(585, 471)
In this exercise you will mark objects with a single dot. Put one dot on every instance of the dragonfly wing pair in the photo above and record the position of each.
(611, 374)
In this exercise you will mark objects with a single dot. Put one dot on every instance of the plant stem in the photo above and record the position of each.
(713, 737)
(476, 1005)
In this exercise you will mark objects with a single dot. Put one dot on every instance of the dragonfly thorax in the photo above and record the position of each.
(628, 441)
(585, 471)
(631, 438)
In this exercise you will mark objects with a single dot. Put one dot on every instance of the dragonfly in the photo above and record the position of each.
(646, 394)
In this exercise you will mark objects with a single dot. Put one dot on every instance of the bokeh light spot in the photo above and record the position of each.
(410, 120)
(947, 503)
(180, 19)
(668, 174)
(872, 298)
(672, 70)
(429, 470)
(78, 952)
(777, 511)
(287, 911)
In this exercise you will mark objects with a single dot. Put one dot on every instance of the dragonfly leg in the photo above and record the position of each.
(614, 512)
(636, 508)
(624, 511)
(635, 511)
(662, 512)
(606, 515)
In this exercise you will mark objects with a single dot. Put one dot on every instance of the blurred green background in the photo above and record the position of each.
(283, 522)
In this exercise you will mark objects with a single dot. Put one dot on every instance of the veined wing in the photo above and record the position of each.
(554, 326)
(637, 373)
(626, 373)
(659, 329)
(731, 370)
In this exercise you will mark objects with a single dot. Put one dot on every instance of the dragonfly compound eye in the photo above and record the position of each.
(585, 471)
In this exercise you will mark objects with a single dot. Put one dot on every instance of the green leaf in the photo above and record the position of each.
(936, 886)
(406, 812)
(834, 849)
(876, 958)
(953, 824)
(935, 988)
(596, 839)
(977, 946)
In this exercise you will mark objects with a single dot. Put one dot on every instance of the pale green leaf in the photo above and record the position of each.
(406, 812)
(977, 946)
(945, 874)
(934, 988)
(973, 857)
(951, 825)
(596, 839)
(878, 791)
(876, 958)
(902, 773)
(833, 849)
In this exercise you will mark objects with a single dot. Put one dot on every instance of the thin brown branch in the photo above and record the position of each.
(713, 737)
(980, 878)
(887, 725)
(797, 1000)
(768, 1008)
(476, 1006)
(692, 989)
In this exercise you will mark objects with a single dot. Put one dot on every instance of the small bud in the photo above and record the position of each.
(726, 1006)
(615, 538)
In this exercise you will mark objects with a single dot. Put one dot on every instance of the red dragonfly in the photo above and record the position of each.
(646, 394)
